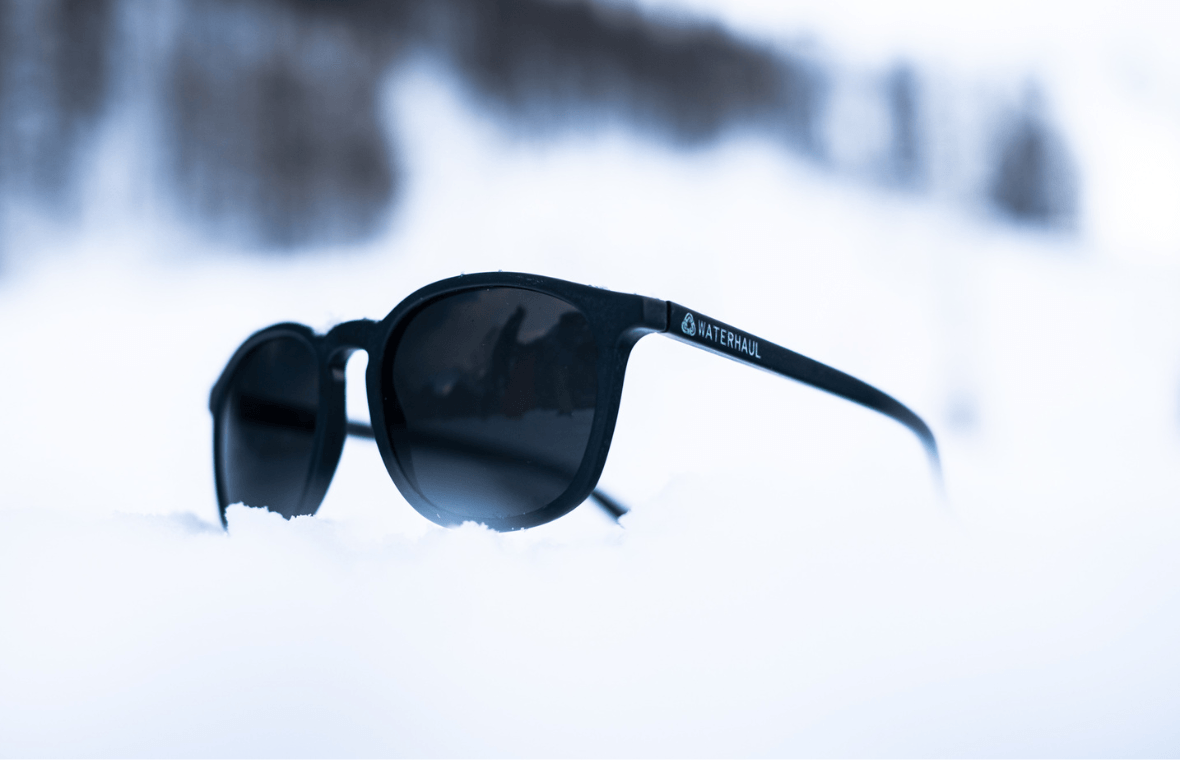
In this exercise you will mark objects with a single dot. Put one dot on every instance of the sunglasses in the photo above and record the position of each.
(493, 398)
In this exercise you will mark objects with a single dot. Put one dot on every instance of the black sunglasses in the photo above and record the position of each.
(493, 398)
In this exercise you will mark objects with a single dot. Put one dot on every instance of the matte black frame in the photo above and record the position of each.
(617, 322)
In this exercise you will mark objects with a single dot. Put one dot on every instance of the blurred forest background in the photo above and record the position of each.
(262, 120)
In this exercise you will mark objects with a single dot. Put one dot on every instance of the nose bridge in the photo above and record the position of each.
(342, 341)
(347, 337)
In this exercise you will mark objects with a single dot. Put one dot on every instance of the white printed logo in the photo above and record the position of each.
(722, 336)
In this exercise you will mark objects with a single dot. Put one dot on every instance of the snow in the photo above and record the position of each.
(790, 580)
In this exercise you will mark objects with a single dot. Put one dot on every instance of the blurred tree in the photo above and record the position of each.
(54, 69)
(1034, 180)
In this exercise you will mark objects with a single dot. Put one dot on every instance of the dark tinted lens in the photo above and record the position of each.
(497, 390)
(268, 427)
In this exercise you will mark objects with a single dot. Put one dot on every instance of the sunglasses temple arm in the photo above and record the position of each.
(719, 338)
(360, 430)
(606, 503)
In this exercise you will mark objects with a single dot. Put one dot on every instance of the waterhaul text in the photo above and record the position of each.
(699, 327)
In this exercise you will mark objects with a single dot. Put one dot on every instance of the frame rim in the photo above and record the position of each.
(617, 321)
(328, 438)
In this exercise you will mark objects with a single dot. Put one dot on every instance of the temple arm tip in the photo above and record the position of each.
(609, 505)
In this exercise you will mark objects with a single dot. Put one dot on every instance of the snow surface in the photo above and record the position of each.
(789, 582)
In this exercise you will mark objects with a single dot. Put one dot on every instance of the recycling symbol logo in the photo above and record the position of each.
(688, 326)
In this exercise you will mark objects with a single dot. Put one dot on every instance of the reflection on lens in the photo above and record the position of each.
(268, 427)
(497, 389)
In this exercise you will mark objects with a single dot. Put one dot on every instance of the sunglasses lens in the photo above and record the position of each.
(496, 390)
(267, 427)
